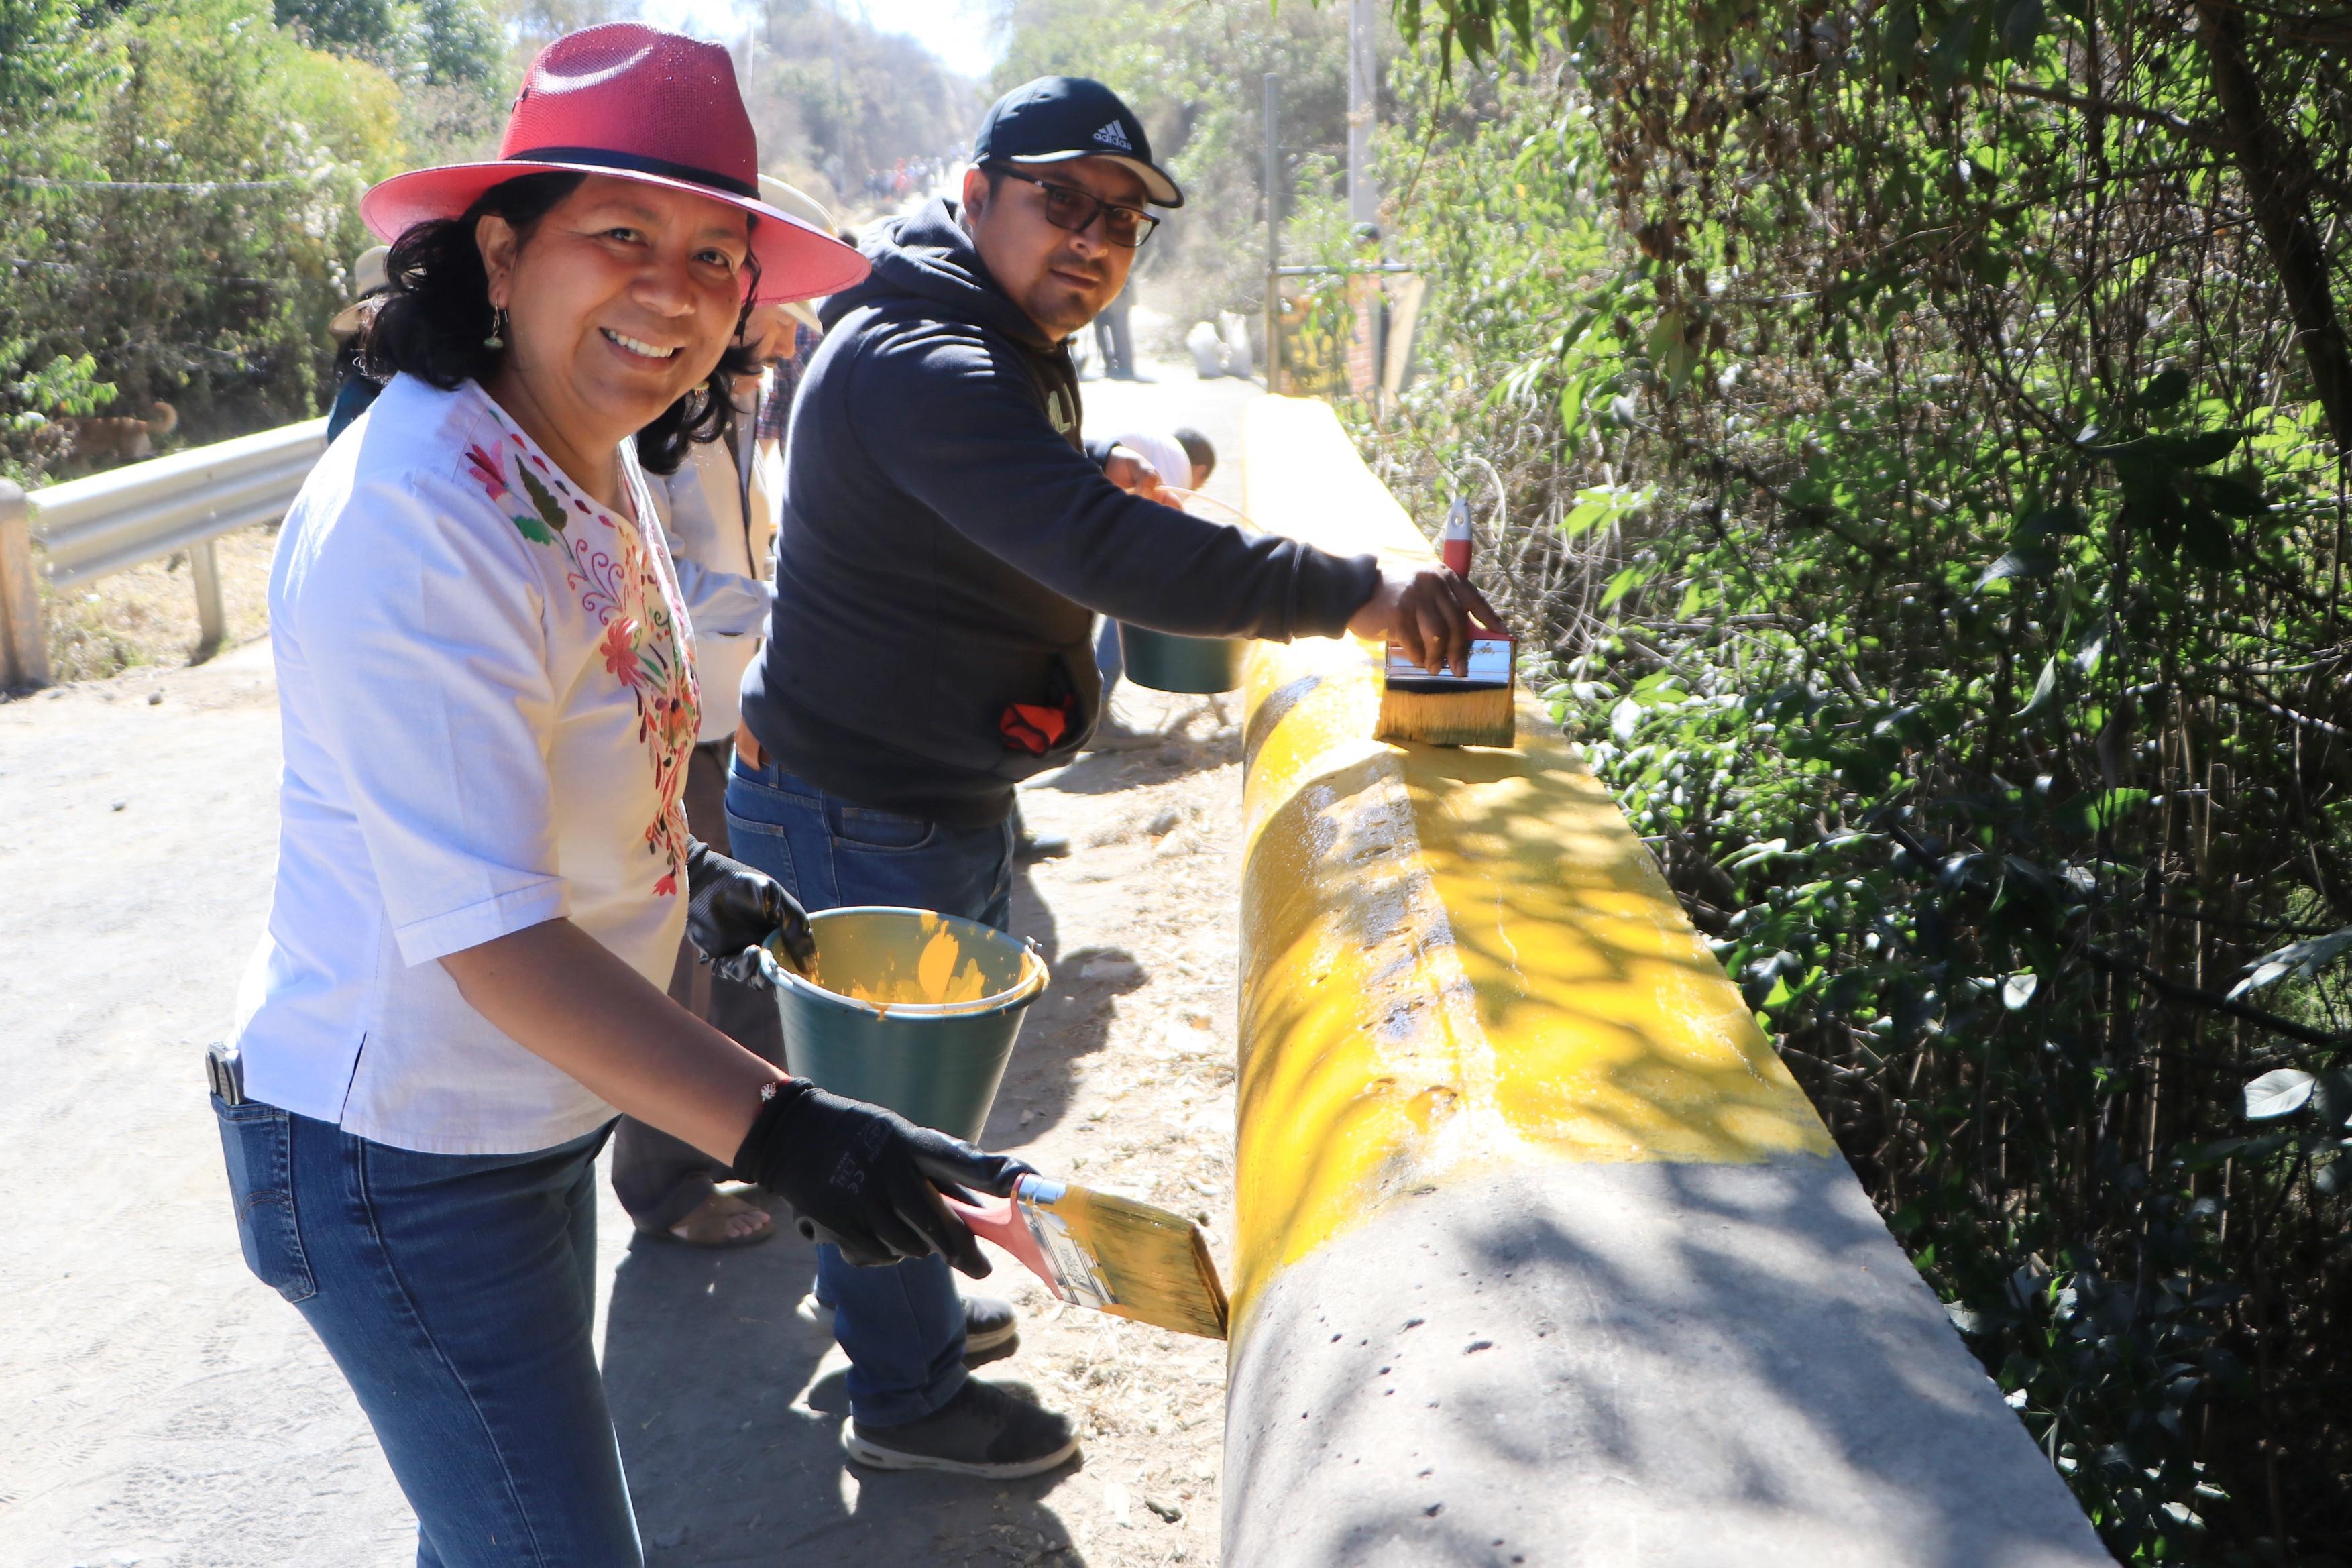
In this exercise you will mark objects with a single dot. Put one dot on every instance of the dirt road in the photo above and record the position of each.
(158, 1406)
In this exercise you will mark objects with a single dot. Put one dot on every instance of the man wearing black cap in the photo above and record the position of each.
(946, 537)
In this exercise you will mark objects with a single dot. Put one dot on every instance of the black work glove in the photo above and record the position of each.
(866, 1179)
(729, 910)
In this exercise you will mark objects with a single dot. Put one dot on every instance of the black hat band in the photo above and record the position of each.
(635, 164)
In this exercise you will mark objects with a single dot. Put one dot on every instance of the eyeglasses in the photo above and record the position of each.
(1071, 208)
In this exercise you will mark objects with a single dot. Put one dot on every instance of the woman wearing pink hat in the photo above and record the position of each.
(489, 698)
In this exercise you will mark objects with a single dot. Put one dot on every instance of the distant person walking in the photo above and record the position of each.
(489, 698)
(1113, 341)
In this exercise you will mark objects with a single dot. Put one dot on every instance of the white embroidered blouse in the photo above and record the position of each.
(487, 689)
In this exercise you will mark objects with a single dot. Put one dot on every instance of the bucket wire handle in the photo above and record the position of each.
(1236, 513)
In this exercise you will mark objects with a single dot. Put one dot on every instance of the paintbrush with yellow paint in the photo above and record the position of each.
(1113, 1254)
(1477, 708)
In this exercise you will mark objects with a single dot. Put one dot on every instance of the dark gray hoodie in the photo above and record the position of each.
(946, 535)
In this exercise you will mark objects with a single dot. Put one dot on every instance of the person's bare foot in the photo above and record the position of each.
(724, 1220)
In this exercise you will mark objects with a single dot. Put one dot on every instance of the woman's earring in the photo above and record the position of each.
(498, 338)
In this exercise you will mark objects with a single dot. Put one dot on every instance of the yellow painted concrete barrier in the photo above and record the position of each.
(1492, 1081)
(1454, 956)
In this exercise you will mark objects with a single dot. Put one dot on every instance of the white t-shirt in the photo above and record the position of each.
(1164, 452)
(725, 560)
(487, 688)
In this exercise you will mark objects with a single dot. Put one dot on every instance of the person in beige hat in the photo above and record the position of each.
(354, 388)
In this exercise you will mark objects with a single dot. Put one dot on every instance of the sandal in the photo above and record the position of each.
(708, 1226)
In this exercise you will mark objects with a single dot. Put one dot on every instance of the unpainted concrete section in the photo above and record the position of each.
(1627, 1365)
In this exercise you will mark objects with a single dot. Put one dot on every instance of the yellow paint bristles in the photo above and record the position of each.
(1449, 710)
(1153, 1266)
(1113, 1254)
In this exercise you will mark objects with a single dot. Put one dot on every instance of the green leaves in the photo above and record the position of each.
(2021, 27)
(2045, 688)
(2165, 390)
(2104, 808)
(2280, 1093)
(2170, 503)
(2296, 961)
(1955, 43)
(2026, 561)
(1623, 584)
(1982, 754)
(1603, 507)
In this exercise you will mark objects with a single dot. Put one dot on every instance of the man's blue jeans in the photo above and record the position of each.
(1110, 657)
(901, 1327)
(457, 1294)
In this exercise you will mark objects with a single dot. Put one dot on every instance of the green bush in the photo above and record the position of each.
(181, 206)
(1916, 435)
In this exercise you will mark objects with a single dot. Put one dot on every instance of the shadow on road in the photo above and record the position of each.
(730, 1410)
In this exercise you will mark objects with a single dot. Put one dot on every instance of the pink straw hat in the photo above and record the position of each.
(637, 103)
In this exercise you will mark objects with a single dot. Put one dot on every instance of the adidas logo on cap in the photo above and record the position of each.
(1111, 135)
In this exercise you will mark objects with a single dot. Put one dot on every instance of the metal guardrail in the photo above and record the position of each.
(87, 528)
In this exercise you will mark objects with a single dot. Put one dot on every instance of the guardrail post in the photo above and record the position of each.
(23, 641)
(212, 625)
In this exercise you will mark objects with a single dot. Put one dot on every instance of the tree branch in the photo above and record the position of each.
(2195, 130)
(2277, 175)
(2174, 990)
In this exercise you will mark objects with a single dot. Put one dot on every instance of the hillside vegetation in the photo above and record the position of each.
(180, 179)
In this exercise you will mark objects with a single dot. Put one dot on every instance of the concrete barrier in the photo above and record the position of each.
(1542, 1258)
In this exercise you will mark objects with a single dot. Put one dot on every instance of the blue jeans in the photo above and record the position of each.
(901, 1327)
(457, 1294)
(1110, 657)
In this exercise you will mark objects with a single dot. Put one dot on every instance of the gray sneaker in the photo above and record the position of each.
(983, 1431)
(991, 1329)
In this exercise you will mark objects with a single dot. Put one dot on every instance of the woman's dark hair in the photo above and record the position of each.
(437, 313)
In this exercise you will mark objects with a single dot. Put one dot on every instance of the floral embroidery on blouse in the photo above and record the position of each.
(620, 583)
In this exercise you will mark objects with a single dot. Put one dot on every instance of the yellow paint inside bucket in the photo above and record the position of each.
(936, 970)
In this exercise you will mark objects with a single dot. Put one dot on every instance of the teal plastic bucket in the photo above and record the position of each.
(907, 1009)
(1198, 667)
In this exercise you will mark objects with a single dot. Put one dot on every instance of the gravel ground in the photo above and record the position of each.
(158, 1406)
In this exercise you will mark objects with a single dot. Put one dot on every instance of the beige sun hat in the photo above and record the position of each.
(368, 281)
(787, 197)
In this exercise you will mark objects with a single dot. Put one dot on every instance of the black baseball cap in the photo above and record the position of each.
(1058, 118)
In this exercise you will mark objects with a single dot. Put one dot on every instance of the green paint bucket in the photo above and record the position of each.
(1199, 666)
(907, 1009)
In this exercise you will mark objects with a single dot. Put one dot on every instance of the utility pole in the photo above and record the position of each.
(1366, 299)
(840, 123)
(1273, 232)
(1363, 92)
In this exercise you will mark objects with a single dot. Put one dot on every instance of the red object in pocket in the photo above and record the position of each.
(1032, 727)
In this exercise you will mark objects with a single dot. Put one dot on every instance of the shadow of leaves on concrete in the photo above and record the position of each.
(1588, 1364)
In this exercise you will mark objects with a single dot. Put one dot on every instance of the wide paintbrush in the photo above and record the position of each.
(1113, 1254)
(1477, 708)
